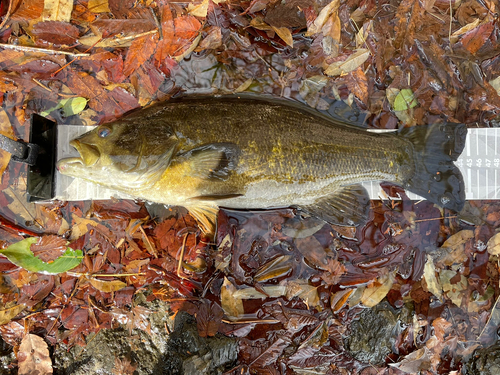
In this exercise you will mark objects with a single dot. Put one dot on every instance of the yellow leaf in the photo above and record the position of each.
(5, 129)
(352, 63)
(98, 6)
(372, 295)
(432, 282)
(80, 227)
(232, 306)
(245, 85)
(8, 314)
(323, 16)
(285, 34)
(107, 286)
(199, 10)
(57, 10)
(455, 36)
(493, 245)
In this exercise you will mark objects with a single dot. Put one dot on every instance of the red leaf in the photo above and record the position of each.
(56, 32)
(139, 52)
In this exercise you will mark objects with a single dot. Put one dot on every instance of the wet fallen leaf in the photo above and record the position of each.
(232, 306)
(285, 34)
(493, 245)
(373, 294)
(98, 6)
(404, 100)
(49, 248)
(351, 63)
(415, 362)
(323, 16)
(57, 10)
(107, 286)
(8, 314)
(276, 267)
(431, 281)
(33, 356)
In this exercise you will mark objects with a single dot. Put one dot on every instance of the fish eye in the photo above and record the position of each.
(104, 131)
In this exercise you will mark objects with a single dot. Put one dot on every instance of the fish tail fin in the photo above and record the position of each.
(436, 177)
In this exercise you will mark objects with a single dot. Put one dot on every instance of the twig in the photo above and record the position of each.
(436, 218)
(181, 258)
(261, 321)
(94, 275)
(42, 50)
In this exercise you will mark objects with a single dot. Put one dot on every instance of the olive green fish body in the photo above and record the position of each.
(247, 153)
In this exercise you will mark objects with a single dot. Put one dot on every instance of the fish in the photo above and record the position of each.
(253, 153)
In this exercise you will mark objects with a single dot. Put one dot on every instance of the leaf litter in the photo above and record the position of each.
(289, 289)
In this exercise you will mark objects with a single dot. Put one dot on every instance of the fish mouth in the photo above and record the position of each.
(89, 155)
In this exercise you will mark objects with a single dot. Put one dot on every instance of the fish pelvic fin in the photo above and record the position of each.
(348, 206)
(436, 177)
(205, 214)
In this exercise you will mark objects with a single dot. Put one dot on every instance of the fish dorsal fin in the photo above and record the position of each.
(215, 160)
(349, 205)
(205, 214)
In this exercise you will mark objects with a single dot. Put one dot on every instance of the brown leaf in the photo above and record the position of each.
(33, 356)
(408, 17)
(357, 83)
(56, 32)
(123, 367)
(49, 248)
(474, 39)
(208, 318)
(107, 286)
(271, 354)
(212, 40)
(27, 10)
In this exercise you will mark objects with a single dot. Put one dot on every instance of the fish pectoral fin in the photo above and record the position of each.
(205, 214)
(349, 205)
(215, 160)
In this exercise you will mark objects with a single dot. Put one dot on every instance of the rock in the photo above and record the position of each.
(484, 361)
(370, 339)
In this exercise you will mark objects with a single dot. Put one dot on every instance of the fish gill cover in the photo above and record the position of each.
(297, 294)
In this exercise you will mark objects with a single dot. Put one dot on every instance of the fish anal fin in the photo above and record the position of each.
(205, 214)
(349, 206)
(215, 160)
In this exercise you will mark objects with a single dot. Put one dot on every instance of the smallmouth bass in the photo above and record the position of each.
(251, 153)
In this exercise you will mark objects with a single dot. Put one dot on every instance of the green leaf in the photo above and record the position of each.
(70, 106)
(405, 100)
(74, 106)
(21, 255)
